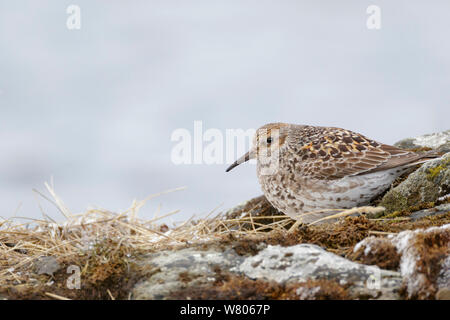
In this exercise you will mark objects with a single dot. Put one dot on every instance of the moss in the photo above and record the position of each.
(339, 237)
(407, 212)
(434, 172)
(426, 222)
(107, 260)
(432, 248)
(425, 254)
(394, 201)
(321, 289)
(424, 185)
(246, 247)
(399, 204)
(106, 270)
(443, 294)
(229, 286)
(383, 254)
(187, 277)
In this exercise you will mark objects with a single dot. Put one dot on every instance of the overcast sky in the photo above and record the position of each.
(95, 108)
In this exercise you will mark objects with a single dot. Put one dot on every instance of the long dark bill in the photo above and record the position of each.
(242, 159)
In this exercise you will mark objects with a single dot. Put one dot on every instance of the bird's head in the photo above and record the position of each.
(267, 142)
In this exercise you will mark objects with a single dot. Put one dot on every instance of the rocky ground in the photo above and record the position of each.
(400, 253)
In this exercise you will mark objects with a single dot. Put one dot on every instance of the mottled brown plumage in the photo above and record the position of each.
(307, 168)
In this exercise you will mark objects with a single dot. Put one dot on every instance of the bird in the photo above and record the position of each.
(308, 171)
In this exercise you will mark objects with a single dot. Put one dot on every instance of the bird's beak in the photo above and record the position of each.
(249, 155)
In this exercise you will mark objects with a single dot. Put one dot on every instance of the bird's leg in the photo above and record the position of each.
(300, 217)
(348, 212)
(295, 225)
(345, 213)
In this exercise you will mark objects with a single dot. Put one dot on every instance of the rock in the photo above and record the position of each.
(443, 294)
(427, 184)
(310, 270)
(304, 262)
(321, 290)
(443, 278)
(182, 269)
(424, 258)
(46, 265)
(437, 141)
(379, 251)
(443, 208)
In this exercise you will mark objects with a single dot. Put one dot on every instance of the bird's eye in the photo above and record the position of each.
(269, 140)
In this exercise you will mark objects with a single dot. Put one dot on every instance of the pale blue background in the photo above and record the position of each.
(95, 108)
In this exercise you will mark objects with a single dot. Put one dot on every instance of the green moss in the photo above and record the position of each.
(434, 172)
(397, 214)
(394, 201)
(407, 212)
(421, 188)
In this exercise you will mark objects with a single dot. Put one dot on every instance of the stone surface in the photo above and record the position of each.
(438, 141)
(46, 265)
(443, 208)
(304, 262)
(427, 184)
(177, 270)
(190, 268)
(424, 258)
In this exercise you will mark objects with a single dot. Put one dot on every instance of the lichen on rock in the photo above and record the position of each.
(183, 269)
(427, 184)
(439, 141)
(424, 261)
(305, 262)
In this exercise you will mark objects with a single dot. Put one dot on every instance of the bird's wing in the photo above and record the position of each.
(333, 153)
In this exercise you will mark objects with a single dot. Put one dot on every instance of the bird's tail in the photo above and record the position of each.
(427, 156)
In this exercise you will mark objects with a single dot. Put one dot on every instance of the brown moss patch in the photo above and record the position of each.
(407, 212)
(245, 247)
(229, 286)
(424, 255)
(382, 254)
(106, 272)
(336, 237)
(398, 225)
(432, 248)
(339, 237)
(187, 277)
(321, 290)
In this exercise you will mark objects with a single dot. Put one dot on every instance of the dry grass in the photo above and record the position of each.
(98, 235)
(21, 244)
